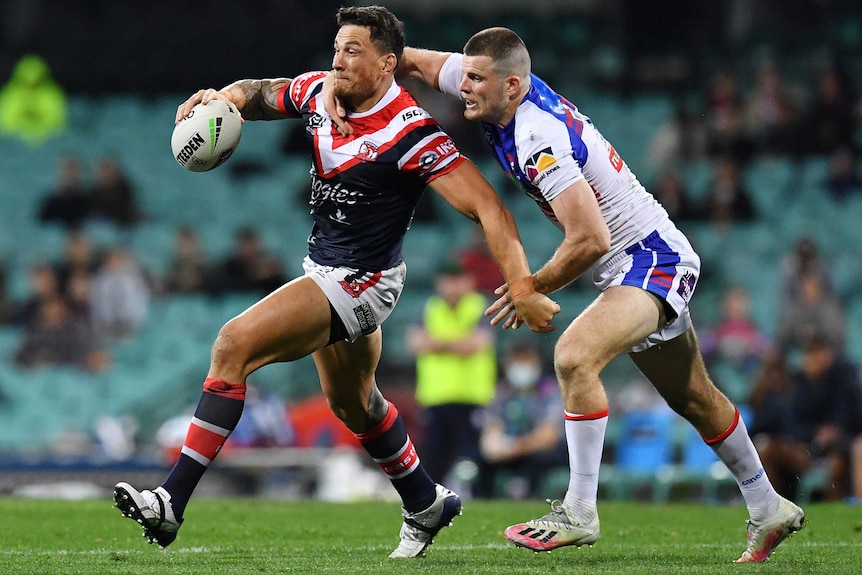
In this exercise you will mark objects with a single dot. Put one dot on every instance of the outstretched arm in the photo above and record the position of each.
(586, 239)
(422, 64)
(465, 189)
(255, 99)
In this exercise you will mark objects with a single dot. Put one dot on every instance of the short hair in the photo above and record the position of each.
(387, 31)
(504, 47)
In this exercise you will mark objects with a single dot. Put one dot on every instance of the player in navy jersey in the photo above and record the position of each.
(364, 190)
(643, 265)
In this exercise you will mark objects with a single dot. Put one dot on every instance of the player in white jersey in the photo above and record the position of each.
(644, 266)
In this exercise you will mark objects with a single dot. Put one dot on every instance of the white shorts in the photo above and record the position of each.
(664, 264)
(363, 300)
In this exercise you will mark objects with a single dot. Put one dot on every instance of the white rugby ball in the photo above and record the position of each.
(206, 137)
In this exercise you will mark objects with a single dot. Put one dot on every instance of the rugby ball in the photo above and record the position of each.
(206, 137)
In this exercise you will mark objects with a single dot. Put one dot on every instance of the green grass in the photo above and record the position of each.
(253, 536)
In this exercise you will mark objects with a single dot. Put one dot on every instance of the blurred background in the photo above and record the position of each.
(118, 267)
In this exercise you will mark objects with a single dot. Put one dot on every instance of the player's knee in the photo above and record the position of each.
(230, 345)
(573, 364)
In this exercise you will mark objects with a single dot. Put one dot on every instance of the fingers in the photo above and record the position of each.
(502, 314)
(497, 305)
(204, 96)
(341, 124)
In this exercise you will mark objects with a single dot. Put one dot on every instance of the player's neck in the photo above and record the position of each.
(373, 99)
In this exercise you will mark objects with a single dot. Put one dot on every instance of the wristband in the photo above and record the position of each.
(521, 288)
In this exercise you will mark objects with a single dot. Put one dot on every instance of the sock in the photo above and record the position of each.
(736, 450)
(585, 436)
(216, 416)
(391, 448)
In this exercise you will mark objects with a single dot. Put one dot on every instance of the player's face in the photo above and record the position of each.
(483, 90)
(359, 68)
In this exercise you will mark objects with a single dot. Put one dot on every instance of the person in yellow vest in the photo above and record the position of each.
(32, 104)
(456, 373)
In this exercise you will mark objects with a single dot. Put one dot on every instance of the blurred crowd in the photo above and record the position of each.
(796, 377)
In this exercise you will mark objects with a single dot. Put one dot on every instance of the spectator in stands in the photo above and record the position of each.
(773, 111)
(522, 435)
(821, 424)
(679, 141)
(725, 123)
(32, 104)
(68, 204)
(816, 311)
(728, 200)
(456, 370)
(60, 337)
(736, 339)
(830, 123)
(264, 422)
(804, 259)
(770, 400)
(44, 286)
(843, 180)
(190, 267)
(112, 197)
(671, 193)
(476, 260)
(80, 258)
(121, 294)
(250, 267)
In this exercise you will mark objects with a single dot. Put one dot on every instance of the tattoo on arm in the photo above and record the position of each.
(261, 98)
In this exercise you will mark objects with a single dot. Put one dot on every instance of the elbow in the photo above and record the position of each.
(600, 244)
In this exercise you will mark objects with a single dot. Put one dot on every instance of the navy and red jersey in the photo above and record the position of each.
(364, 188)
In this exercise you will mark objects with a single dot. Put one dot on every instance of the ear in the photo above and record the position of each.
(388, 63)
(513, 87)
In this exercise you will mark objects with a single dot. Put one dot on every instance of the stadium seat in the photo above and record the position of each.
(644, 446)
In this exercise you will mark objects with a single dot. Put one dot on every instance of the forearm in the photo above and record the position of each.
(569, 262)
(422, 65)
(257, 99)
(504, 242)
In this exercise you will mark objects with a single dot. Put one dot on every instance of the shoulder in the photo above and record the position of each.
(302, 87)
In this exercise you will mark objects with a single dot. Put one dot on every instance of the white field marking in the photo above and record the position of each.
(205, 550)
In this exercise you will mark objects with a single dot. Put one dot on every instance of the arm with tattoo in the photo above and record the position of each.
(257, 99)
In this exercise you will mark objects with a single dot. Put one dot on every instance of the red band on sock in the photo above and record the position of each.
(225, 389)
(401, 464)
(204, 441)
(382, 427)
(727, 432)
(596, 415)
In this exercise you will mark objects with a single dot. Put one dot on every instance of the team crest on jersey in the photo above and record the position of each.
(428, 159)
(367, 152)
(542, 162)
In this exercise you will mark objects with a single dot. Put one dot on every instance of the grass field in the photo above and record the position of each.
(253, 536)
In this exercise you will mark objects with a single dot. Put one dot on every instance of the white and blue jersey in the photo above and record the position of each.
(548, 146)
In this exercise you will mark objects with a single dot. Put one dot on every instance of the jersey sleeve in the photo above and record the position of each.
(293, 96)
(432, 156)
(449, 77)
(545, 152)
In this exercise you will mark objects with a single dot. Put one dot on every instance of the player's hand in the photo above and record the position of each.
(536, 310)
(337, 113)
(205, 97)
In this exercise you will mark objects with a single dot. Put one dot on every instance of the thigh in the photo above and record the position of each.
(347, 378)
(618, 319)
(288, 324)
(675, 368)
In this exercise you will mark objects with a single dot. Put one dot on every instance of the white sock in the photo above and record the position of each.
(737, 452)
(585, 436)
